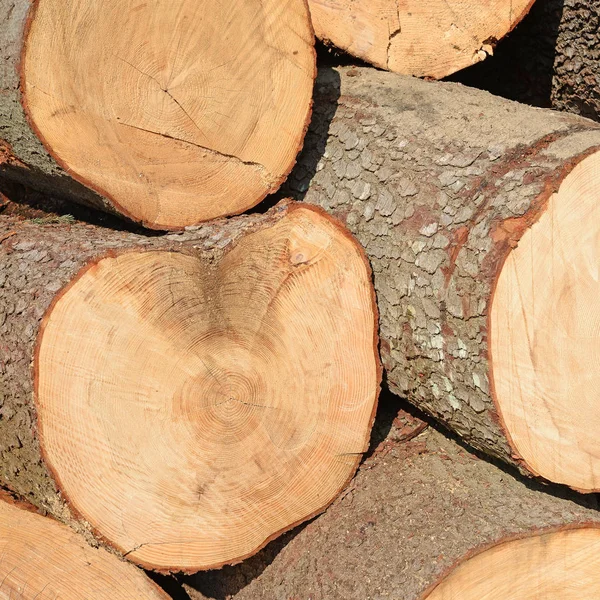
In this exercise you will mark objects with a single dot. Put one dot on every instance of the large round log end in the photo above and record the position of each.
(191, 112)
(192, 409)
(544, 335)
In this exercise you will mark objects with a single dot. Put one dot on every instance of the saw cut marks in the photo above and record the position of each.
(545, 335)
(561, 565)
(193, 110)
(191, 410)
(425, 38)
(43, 559)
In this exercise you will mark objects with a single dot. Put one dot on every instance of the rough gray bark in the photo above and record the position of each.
(438, 182)
(23, 158)
(551, 59)
(409, 516)
(36, 262)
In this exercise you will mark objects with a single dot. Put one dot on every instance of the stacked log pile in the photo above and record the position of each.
(176, 395)
(179, 398)
(479, 216)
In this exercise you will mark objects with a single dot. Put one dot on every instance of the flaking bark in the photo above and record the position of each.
(438, 182)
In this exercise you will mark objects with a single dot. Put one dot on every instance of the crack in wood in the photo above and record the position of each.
(262, 170)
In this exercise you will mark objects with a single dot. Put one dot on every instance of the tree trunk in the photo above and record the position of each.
(480, 218)
(194, 393)
(425, 38)
(182, 118)
(42, 558)
(552, 59)
(408, 518)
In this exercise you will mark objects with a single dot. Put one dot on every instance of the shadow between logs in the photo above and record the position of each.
(326, 94)
(19, 200)
(591, 501)
(523, 63)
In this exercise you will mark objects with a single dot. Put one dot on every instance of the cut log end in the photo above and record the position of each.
(42, 558)
(180, 119)
(544, 330)
(431, 38)
(558, 564)
(192, 410)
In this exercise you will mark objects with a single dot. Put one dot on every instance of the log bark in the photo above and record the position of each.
(479, 217)
(42, 558)
(409, 517)
(425, 38)
(167, 125)
(194, 393)
(552, 59)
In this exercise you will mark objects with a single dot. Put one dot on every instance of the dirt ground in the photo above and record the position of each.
(414, 509)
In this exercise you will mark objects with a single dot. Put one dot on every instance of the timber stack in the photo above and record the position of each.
(181, 383)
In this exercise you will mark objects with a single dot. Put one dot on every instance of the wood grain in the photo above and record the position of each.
(191, 410)
(191, 112)
(41, 558)
(426, 38)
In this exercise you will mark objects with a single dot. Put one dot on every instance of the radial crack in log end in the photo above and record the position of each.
(244, 96)
(41, 558)
(268, 179)
(438, 37)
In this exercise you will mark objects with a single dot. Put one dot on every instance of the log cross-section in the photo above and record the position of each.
(169, 112)
(196, 394)
(426, 38)
(552, 564)
(41, 558)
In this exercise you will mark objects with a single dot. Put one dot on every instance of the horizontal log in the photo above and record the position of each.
(479, 216)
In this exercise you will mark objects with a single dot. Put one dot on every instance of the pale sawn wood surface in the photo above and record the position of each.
(557, 565)
(41, 558)
(544, 330)
(425, 38)
(196, 394)
(172, 112)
